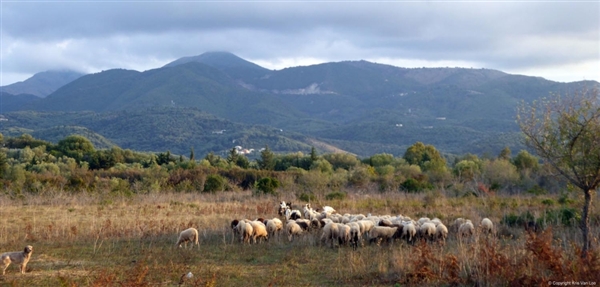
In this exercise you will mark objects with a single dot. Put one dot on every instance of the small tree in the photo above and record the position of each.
(565, 132)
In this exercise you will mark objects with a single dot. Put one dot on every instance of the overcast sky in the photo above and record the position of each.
(559, 41)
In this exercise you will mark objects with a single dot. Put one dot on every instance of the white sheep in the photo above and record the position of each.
(17, 257)
(274, 226)
(190, 234)
(382, 233)
(409, 231)
(354, 235)
(487, 227)
(441, 232)
(456, 224)
(245, 230)
(328, 209)
(293, 229)
(427, 231)
(343, 234)
(330, 232)
(466, 230)
(423, 220)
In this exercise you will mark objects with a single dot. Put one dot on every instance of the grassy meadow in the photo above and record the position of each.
(104, 240)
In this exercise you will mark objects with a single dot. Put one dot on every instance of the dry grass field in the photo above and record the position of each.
(103, 240)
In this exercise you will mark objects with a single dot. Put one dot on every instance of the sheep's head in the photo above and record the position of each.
(234, 223)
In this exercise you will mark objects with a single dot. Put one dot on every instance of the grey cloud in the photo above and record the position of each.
(137, 34)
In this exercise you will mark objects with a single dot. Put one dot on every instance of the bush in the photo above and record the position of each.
(267, 185)
(307, 197)
(336, 195)
(518, 220)
(214, 183)
(537, 190)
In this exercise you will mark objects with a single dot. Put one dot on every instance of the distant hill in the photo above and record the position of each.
(156, 129)
(356, 106)
(42, 84)
(10, 102)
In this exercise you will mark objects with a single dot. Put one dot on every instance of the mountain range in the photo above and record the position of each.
(215, 101)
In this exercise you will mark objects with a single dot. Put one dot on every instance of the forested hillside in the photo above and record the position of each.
(356, 106)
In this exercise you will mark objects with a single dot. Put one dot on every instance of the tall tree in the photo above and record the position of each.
(192, 154)
(565, 132)
(233, 155)
(267, 159)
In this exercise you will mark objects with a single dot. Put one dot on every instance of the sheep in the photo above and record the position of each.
(259, 231)
(330, 231)
(273, 226)
(441, 232)
(233, 226)
(456, 224)
(423, 220)
(17, 257)
(354, 235)
(365, 225)
(190, 234)
(328, 209)
(427, 231)
(283, 206)
(304, 223)
(409, 231)
(245, 230)
(487, 227)
(466, 230)
(343, 234)
(386, 222)
(292, 229)
(382, 233)
(292, 214)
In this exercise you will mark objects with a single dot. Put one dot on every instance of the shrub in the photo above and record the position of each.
(214, 183)
(537, 190)
(307, 197)
(336, 195)
(267, 185)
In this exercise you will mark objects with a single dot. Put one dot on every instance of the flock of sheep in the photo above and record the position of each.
(349, 229)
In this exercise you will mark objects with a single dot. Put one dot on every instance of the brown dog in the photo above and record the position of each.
(17, 257)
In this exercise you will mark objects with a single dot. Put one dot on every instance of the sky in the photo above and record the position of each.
(556, 40)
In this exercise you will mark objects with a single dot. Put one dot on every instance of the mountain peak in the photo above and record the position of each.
(217, 59)
(43, 83)
(227, 62)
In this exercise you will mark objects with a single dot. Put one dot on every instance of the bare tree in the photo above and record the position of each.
(565, 132)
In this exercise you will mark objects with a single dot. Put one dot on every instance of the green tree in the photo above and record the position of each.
(192, 154)
(233, 156)
(505, 154)
(267, 159)
(425, 156)
(3, 163)
(565, 132)
(526, 161)
(76, 146)
(313, 154)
